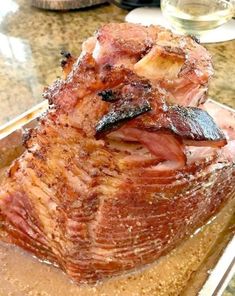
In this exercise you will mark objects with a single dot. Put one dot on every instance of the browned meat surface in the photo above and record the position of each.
(136, 97)
(177, 63)
(120, 169)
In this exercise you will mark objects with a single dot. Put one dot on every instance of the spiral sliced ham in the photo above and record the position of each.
(178, 63)
(126, 163)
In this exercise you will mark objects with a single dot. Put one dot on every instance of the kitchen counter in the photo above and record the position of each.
(31, 40)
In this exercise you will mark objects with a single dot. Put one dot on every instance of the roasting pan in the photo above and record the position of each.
(202, 265)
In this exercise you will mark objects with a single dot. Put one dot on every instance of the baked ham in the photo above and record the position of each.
(127, 161)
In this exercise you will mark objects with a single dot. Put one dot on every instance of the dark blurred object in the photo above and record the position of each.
(64, 4)
(129, 4)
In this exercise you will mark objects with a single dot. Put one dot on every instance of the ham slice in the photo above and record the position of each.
(135, 97)
(225, 118)
(181, 65)
(147, 117)
(122, 167)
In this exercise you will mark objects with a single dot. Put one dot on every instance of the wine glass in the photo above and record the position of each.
(197, 16)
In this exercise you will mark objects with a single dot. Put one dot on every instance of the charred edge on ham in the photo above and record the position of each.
(195, 124)
(66, 56)
(26, 136)
(108, 96)
(129, 100)
(124, 112)
(189, 123)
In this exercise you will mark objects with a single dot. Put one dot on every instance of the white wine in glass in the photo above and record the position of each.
(197, 16)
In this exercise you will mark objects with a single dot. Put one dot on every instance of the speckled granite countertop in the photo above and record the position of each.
(30, 44)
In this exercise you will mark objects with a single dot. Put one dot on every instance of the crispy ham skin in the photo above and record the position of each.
(134, 97)
(124, 165)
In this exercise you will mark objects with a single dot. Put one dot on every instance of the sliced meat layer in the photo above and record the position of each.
(180, 64)
(86, 77)
(135, 96)
(101, 207)
(123, 44)
(225, 118)
(82, 204)
(141, 113)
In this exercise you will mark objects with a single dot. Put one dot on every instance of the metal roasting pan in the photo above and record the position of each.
(224, 267)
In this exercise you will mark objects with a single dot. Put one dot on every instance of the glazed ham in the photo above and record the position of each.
(127, 162)
(178, 63)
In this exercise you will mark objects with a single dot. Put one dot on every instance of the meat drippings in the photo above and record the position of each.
(23, 275)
